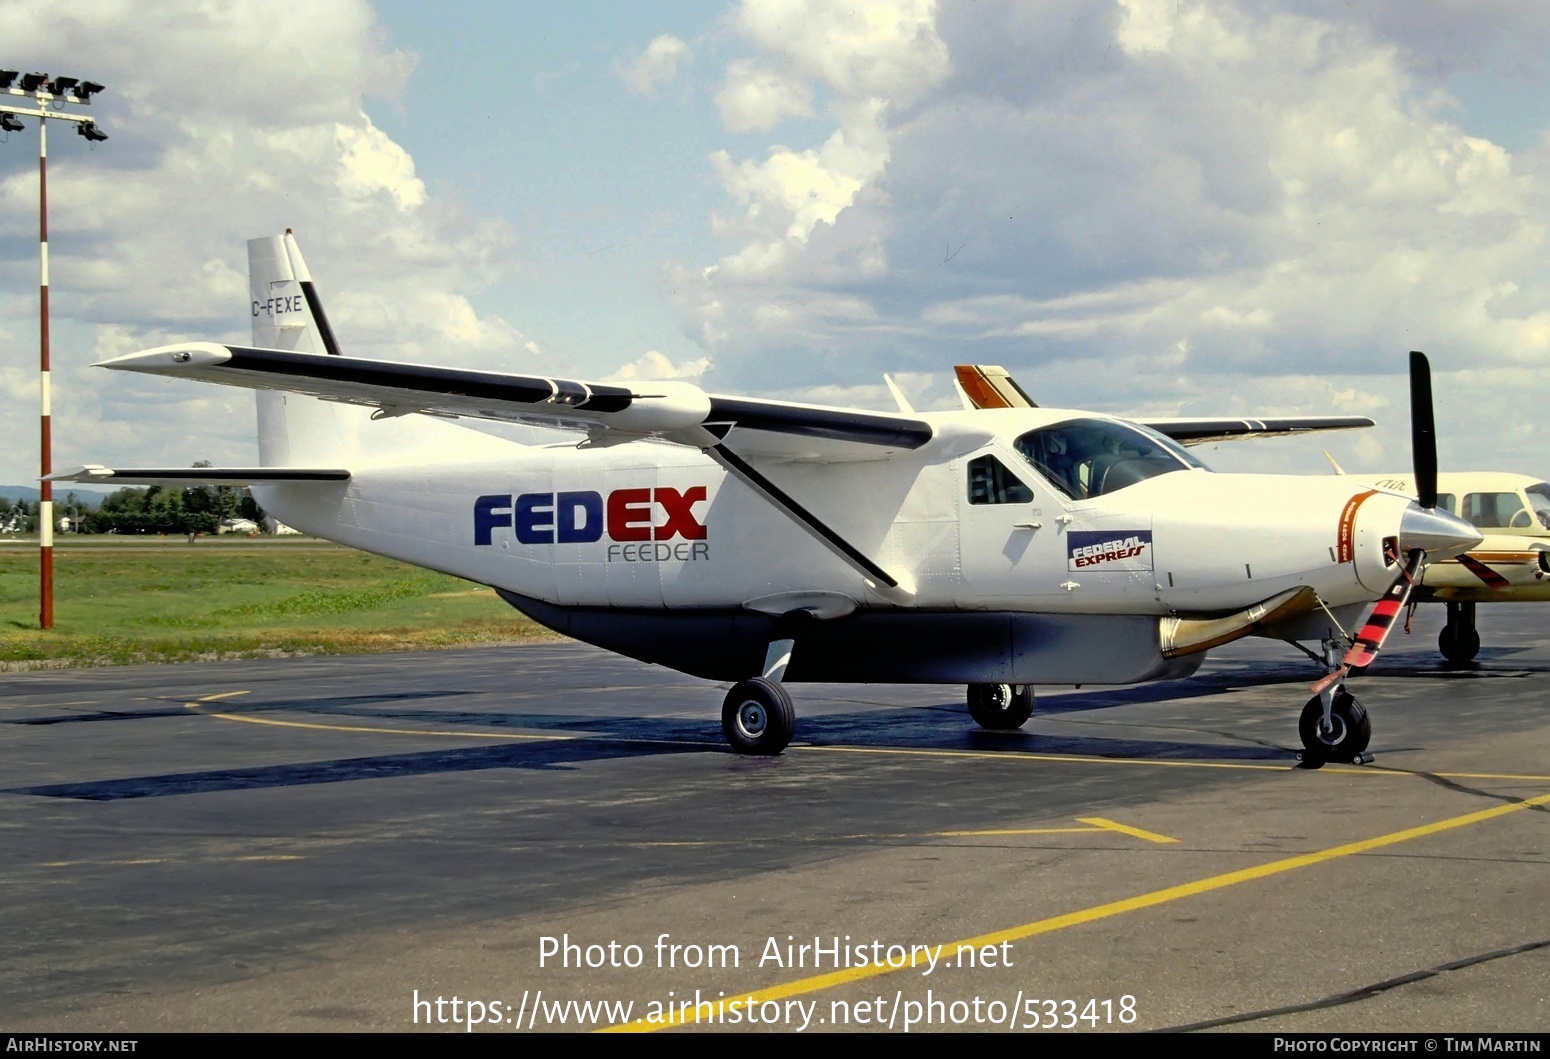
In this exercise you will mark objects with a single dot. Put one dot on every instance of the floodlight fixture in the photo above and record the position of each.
(85, 90)
(64, 84)
(33, 81)
(89, 130)
(7, 77)
(10, 123)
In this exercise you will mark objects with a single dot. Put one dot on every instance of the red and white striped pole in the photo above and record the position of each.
(48, 98)
(46, 498)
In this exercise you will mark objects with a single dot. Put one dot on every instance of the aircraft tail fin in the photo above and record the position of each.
(295, 430)
(287, 312)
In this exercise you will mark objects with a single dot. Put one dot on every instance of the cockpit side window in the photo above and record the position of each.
(991, 483)
(1496, 511)
(1539, 500)
(1090, 457)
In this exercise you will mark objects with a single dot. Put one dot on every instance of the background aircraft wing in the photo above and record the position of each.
(1201, 431)
(989, 386)
(673, 411)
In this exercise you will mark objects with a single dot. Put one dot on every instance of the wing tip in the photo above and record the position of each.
(177, 357)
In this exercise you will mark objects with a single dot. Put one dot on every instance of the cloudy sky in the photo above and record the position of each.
(1141, 206)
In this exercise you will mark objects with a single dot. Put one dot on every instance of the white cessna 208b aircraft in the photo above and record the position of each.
(765, 541)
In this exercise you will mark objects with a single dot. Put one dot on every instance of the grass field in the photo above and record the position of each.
(123, 600)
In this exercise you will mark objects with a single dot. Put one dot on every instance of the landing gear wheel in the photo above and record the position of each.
(758, 718)
(1458, 645)
(1348, 734)
(1000, 707)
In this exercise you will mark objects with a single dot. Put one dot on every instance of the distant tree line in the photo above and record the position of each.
(157, 509)
(198, 509)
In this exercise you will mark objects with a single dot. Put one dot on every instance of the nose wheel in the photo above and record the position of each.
(1343, 737)
(1000, 707)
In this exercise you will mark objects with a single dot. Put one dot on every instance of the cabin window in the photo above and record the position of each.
(1090, 457)
(1496, 511)
(1539, 500)
(991, 483)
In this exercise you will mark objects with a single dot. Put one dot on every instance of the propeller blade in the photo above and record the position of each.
(1423, 430)
(1369, 641)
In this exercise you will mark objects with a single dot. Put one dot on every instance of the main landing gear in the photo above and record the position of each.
(1334, 726)
(1459, 640)
(1000, 707)
(757, 716)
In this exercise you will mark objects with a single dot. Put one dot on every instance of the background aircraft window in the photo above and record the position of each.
(1539, 499)
(991, 483)
(1496, 511)
(1448, 502)
(1090, 457)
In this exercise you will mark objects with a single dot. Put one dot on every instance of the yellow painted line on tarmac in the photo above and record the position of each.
(982, 755)
(1096, 825)
(817, 983)
(998, 832)
(1125, 829)
(1077, 759)
(198, 705)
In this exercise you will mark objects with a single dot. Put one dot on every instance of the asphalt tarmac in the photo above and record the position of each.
(352, 843)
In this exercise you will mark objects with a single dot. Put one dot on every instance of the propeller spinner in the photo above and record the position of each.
(1333, 724)
(1425, 531)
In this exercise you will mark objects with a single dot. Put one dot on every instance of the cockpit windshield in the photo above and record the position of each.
(1090, 457)
(1539, 499)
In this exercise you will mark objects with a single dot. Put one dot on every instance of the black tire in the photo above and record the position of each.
(758, 718)
(1001, 707)
(1350, 732)
(1459, 646)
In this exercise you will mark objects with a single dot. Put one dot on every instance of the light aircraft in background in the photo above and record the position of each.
(1510, 565)
(761, 542)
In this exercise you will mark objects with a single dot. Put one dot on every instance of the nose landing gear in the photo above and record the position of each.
(1333, 725)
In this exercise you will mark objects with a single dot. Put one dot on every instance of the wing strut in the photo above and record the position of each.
(748, 475)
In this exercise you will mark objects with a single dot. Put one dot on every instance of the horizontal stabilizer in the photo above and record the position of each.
(93, 474)
(672, 411)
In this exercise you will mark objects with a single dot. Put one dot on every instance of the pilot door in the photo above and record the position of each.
(1011, 541)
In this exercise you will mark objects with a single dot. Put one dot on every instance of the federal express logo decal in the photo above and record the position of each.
(1109, 550)
(629, 518)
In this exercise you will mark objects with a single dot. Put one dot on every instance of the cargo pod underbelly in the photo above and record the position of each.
(881, 646)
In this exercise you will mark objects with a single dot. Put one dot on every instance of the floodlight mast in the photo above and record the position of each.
(49, 96)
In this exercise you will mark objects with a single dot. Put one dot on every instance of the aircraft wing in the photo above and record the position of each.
(1202, 431)
(95, 474)
(672, 411)
(990, 386)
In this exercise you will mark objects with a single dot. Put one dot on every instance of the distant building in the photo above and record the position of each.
(237, 525)
(280, 529)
